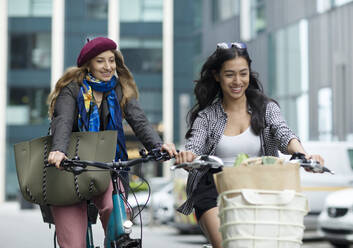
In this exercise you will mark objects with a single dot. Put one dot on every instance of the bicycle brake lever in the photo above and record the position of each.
(70, 165)
(158, 155)
(312, 166)
(77, 170)
(316, 167)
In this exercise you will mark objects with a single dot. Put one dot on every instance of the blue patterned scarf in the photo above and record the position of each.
(88, 113)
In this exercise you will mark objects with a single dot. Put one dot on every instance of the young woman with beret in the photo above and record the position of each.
(94, 96)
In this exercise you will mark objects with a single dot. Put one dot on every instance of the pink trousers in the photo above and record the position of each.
(71, 221)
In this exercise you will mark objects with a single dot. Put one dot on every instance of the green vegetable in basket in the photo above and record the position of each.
(268, 160)
(240, 158)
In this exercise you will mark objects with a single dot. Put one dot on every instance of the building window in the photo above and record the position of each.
(325, 114)
(151, 102)
(141, 10)
(30, 8)
(27, 106)
(30, 51)
(350, 155)
(252, 18)
(197, 10)
(288, 77)
(224, 9)
(258, 16)
(325, 5)
(341, 2)
(142, 55)
(97, 9)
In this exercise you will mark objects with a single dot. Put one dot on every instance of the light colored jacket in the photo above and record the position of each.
(208, 128)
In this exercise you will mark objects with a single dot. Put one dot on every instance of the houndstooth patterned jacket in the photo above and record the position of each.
(208, 129)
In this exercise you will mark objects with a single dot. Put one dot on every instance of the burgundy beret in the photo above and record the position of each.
(94, 47)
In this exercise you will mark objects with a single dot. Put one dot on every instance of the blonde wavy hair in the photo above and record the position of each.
(77, 74)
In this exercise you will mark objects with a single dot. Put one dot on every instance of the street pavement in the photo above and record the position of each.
(25, 228)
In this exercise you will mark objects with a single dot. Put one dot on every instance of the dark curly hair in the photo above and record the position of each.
(207, 89)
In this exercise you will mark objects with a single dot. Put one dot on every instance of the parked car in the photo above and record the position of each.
(336, 220)
(185, 224)
(159, 205)
(338, 157)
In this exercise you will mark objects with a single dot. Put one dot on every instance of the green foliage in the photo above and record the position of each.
(240, 158)
(138, 186)
(268, 160)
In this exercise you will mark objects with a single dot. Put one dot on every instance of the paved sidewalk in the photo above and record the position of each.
(25, 227)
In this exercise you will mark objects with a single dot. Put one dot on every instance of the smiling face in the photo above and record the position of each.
(234, 78)
(103, 66)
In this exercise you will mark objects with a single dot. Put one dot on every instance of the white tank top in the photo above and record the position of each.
(230, 146)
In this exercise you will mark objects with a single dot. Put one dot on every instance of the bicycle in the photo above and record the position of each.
(213, 162)
(216, 163)
(119, 227)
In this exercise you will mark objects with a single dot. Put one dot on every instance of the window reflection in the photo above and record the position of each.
(197, 6)
(97, 9)
(258, 16)
(142, 55)
(27, 106)
(325, 114)
(224, 9)
(26, 8)
(350, 154)
(141, 10)
(288, 75)
(151, 102)
(143, 60)
(30, 51)
(341, 2)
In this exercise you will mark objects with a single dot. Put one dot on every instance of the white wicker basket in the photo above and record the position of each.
(262, 218)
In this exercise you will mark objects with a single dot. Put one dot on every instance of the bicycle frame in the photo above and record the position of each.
(115, 228)
(119, 227)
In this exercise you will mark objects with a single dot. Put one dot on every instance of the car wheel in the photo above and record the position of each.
(339, 245)
(146, 216)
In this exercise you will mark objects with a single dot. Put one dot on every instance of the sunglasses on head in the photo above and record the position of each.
(224, 45)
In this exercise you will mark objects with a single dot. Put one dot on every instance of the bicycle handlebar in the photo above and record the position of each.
(309, 164)
(215, 162)
(78, 166)
(200, 162)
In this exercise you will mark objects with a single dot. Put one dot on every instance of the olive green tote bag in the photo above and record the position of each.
(42, 185)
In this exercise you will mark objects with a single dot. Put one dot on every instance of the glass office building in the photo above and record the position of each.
(302, 51)
(29, 59)
(304, 59)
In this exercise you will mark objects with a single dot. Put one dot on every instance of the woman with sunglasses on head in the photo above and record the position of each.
(232, 115)
(94, 96)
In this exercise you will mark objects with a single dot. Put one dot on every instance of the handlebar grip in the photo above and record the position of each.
(47, 164)
(67, 165)
(157, 154)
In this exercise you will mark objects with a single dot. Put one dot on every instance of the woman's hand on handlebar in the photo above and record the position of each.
(170, 148)
(56, 157)
(184, 157)
(315, 157)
